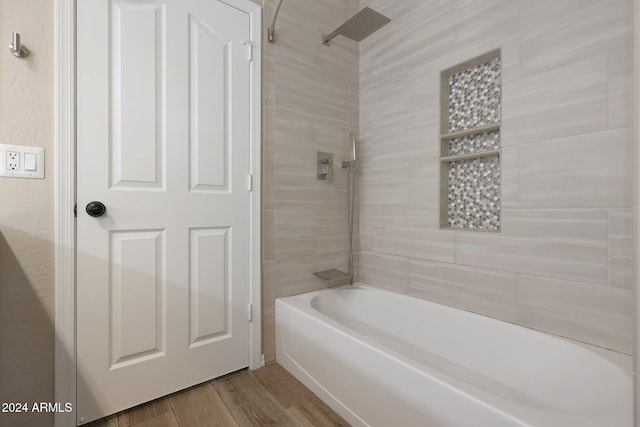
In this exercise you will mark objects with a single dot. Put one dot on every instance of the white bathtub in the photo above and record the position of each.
(383, 359)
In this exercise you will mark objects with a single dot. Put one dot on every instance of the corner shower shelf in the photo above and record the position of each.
(334, 277)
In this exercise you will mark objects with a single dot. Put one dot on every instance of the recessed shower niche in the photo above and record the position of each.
(470, 144)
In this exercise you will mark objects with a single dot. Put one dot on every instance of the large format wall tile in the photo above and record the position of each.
(388, 271)
(416, 236)
(493, 293)
(295, 232)
(510, 161)
(354, 105)
(397, 141)
(568, 244)
(296, 44)
(584, 171)
(335, 139)
(384, 187)
(295, 275)
(299, 91)
(322, 15)
(397, 11)
(382, 101)
(482, 26)
(477, 19)
(268, 234)
(268, 129)
(559, 32)
(599, 315)
(620, 80)
(331, 230)
(339, 60)
(424, 183)
(423, 97)
(294, 137)
(269, 284)
(570, 100)
(294, 181)
(621, 248)
(425, 33)
(268, 183)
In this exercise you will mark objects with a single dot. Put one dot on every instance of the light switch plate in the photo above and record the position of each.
(9, 161)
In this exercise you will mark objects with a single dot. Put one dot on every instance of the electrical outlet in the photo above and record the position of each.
(13, 160)
(19, 161)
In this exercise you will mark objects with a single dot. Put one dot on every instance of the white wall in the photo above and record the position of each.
(562, 261)
(26, 214)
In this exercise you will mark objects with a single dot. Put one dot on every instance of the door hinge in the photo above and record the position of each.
(249, 50)
(75, 210)
(250, 182)
(250, 313)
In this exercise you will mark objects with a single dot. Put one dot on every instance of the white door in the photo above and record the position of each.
(163, 141)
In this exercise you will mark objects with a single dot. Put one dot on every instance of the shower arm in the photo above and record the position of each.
(271, 31)
(327, 39)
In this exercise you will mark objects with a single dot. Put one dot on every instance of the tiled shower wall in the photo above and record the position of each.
(310, 104)
(562, 261)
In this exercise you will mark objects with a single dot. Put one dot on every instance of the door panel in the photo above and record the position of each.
(209, 284)
(210, 67)
(136, 280)
(163, 141)
(137, 51)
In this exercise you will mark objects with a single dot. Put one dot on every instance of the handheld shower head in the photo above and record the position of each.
(353, 145)
(352, 162)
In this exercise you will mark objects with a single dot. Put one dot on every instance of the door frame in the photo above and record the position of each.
(65, 198)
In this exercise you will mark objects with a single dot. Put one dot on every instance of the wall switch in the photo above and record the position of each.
(30, 162)
(21, 161)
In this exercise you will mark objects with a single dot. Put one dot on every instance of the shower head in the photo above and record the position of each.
(360, 26)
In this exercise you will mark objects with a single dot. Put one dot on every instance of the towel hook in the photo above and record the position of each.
(16, 48)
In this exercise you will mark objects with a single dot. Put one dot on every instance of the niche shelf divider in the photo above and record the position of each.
(478, 155)
(470, 131)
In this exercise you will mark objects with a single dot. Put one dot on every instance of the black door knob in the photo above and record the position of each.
(96, 208)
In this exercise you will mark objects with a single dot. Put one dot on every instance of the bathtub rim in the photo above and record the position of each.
(301, 304)
(298, 305)
(622, 360)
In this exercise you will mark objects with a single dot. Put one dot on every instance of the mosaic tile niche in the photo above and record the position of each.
(474, 96)
(474, 193)
(470, 148)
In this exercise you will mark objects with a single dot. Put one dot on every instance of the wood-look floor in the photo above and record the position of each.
(269, 396)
